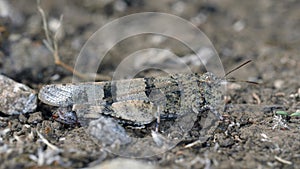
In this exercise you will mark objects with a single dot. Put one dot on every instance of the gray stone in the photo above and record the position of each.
(125, 163)
(16, 98)
(108, 132)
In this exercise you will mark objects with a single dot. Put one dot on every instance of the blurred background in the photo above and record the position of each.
(265, 31)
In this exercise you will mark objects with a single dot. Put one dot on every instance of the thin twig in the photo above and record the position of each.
(47, 142)
(193, 144)
(48, 46)
(52, 45)
(283, 160)
(45, 26)
(56, 56)
(256, 97)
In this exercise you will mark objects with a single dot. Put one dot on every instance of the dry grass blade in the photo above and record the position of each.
(283, 160)
(51, 44)
(47, 142)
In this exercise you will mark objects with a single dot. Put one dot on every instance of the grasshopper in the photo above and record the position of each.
(137, 102)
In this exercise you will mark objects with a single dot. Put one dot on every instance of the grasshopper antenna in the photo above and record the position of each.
(238, 67)
(241, 65)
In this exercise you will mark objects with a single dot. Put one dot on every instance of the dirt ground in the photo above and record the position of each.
(266, 31)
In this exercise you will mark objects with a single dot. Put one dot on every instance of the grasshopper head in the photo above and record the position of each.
(213, 90)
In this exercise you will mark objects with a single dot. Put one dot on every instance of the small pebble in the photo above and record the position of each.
(278, 83)
(22, 118)
(239, 25)
(233, 86)
(125, 163)
(108, 132)
(35, 118)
